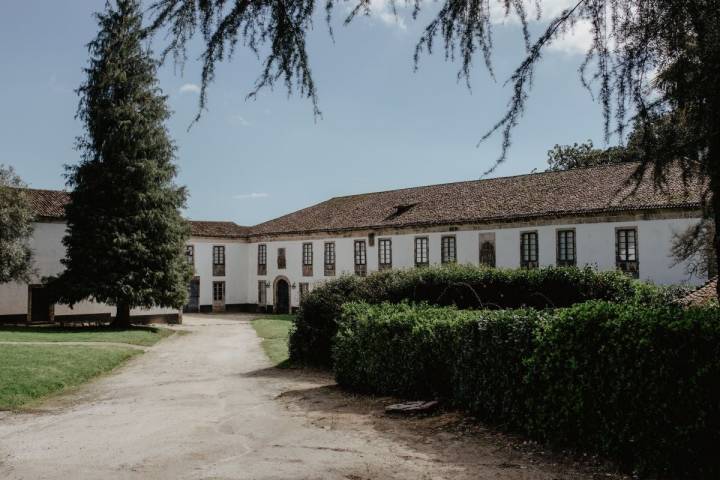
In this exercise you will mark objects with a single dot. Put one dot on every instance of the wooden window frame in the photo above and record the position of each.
(216, 284)
(307, 259)
(218, 254)
(262, 259)
(360, 257)
(559, 252)
(625, 264)
(262, 293)
(529, 262)
(329, 258)
(281, 258)
(303, 290)
(445, 250)
(422, 251)
(493, 261)
(384, 250)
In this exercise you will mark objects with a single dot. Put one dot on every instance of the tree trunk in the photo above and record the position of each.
(122, 316)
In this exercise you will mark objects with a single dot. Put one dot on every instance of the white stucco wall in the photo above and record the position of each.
(595, 243)
(48, 250)
(236, 268)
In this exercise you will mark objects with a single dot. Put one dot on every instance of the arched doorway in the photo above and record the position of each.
(282, 295)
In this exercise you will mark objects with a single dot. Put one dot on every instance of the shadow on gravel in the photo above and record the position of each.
(447, 437)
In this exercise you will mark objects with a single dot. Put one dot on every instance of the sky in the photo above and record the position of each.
(383, 126)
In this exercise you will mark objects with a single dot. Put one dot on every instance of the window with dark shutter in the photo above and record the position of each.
(529, 250)
(262, 260)
(384, 253)
(219, 260)
(566, 248)
(329, 257)
(487, 253)
(626, 254)
(360, 254)
(448, 250)
(422, 251)
(307, 260)
(281, 260)
(262, 293)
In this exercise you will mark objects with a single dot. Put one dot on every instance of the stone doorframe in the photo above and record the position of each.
(275, 295)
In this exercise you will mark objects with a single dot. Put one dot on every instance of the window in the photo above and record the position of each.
(448, 251)
(190, 254)
(566, 248)
(487, 253)
(219, 260)
(262, 260)
(384, 253)
(281, 260)
(371, 239)
(304, 290)
(422, 255)
(360, 258)
(529, 250)
(262, 293)
(307, 259)
(218, 291)
(329, 257)
(626, 255)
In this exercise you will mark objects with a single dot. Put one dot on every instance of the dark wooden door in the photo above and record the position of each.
(193, 304)
(282, 303)
(40, 306)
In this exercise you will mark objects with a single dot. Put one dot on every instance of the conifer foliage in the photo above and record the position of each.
(125, 234)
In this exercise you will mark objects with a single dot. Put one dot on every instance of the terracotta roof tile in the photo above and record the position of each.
(50, 204)
(579, 191)
(47, 203)
(200, 228)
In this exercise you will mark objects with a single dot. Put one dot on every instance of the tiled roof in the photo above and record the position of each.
(579, 191)
(217, 229)
(50, 204)
(702, 295)
(582, 191)
(47, 203)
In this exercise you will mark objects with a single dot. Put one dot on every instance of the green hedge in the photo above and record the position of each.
(638, 384)
(462, 286)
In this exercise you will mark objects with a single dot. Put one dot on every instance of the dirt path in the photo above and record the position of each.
(206, 405)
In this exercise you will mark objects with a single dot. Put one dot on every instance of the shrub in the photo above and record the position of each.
(474, 358)
(639, 384)
(636, 383)
(462, 286)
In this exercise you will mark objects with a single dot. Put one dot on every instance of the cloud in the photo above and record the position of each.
(239, 120)
(190, 88)
(576, 40)
(251, 196)
(382, 10)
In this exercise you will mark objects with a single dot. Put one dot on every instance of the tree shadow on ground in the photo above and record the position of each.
(445, 436)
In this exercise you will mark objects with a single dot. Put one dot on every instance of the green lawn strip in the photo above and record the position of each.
(274, 330)
(143, 336)
(31, 372)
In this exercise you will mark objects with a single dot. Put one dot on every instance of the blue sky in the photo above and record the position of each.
(383, 125)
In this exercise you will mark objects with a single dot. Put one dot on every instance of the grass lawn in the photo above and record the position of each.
(274, 330)
(30, 372)
(144, 336)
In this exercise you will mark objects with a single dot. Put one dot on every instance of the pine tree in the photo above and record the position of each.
(125, 235)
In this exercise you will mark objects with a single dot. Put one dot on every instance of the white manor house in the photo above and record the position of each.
(587, 216)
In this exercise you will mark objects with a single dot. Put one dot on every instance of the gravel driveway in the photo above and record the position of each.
(207, 406)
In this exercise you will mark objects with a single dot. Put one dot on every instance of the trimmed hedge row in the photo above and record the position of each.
(638, 384)
(463, 286)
